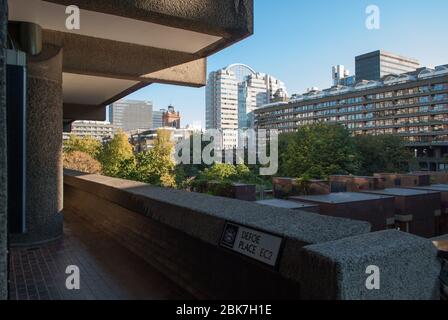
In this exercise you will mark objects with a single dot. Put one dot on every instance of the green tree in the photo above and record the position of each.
(317, 151)
(81, 161)
(117, 157)
(156, 166)
(85, 144)
(382, 153)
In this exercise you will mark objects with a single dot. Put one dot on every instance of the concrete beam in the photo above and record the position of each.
(408, 268)
(192, 74)
(227, 18)
(108, 58)
(75, 112)
(3, 152)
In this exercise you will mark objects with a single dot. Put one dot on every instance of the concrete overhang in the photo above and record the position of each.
(122, 46)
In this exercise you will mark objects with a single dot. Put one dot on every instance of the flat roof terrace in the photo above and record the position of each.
(402, 192)
(340, 197)
(294, 205)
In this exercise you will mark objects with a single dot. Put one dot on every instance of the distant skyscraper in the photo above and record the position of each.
(131, 115)
(257, 90)
(157, 118)
(375, 65)
(338, 73)
(341, 76)
(222, 105)
(233, 93)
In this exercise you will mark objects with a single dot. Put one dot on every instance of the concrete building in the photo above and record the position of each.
(222, 105)
(75, 74)
(375, 65)
(412, 105)
(256, 90)
(157, 118)
(171, 118)
(143, 141)
(130, 115)
(233, 94)
(99, 130)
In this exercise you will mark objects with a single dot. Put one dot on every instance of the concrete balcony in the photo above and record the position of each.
(132, 240)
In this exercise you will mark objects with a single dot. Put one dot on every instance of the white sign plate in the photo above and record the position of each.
(255, 244)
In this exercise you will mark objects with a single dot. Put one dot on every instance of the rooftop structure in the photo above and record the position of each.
(375, 65)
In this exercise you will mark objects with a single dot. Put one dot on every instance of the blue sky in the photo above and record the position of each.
(298, 41)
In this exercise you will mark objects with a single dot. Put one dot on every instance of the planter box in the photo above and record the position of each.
(437, 177)
(415, 210)
(377, 209)
(442, 219)
(246, 192)
(287, 187)
(293, 205)
(340, 183)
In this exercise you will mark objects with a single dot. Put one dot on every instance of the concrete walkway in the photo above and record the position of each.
(108, 271)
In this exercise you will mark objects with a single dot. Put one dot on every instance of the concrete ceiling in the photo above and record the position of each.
(52, 16)
(92, 90)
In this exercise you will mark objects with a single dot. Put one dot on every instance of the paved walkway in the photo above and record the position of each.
(108, 271)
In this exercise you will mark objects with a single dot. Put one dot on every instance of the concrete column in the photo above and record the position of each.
(44, 149)
(3, 168)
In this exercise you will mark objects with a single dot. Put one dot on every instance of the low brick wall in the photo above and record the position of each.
(341, 183)
(180, 233)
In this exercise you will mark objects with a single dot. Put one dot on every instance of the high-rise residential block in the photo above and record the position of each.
(233, 94)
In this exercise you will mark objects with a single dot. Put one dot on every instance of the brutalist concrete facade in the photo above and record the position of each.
(3, 168)
(44, 149)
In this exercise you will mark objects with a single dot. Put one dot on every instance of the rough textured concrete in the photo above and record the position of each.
(408, 266)
(108, 58)
(44, 148)
(3, 168)
(206, 16)
(211, 212)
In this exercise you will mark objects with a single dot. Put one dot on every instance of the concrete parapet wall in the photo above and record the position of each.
(179, 233)
(408, 268)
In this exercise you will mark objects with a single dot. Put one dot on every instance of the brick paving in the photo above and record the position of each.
(108, 271)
